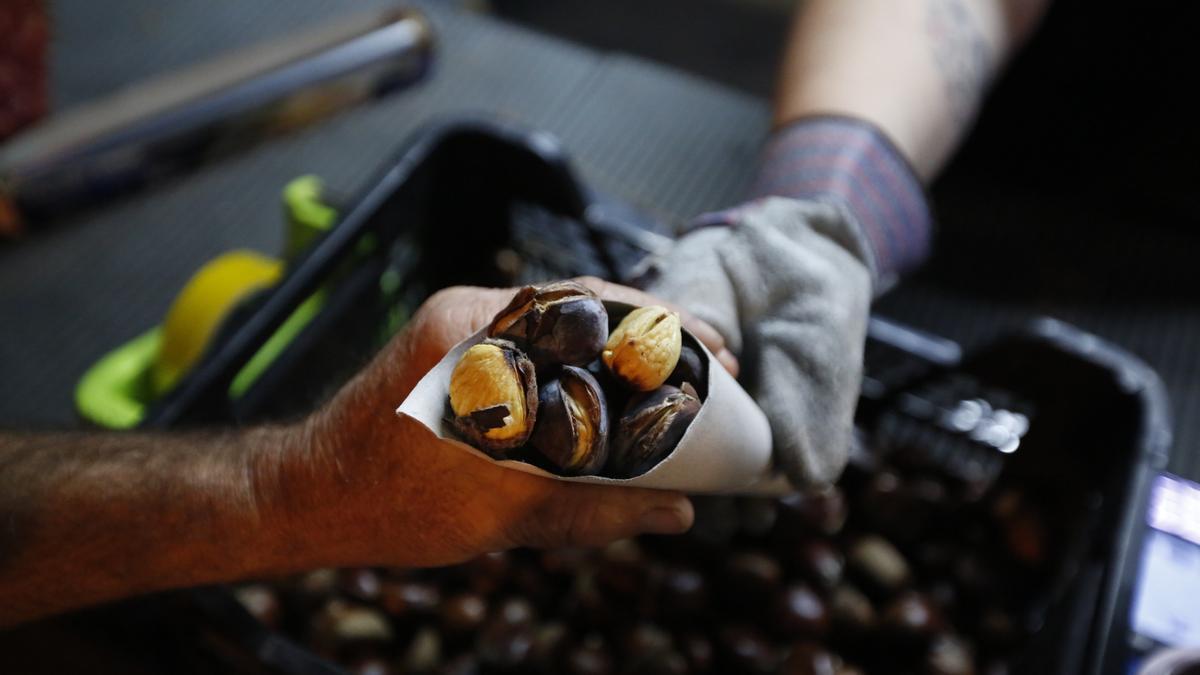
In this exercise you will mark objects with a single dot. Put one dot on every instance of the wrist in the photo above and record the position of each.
(283, 501)
(853, 164)
(310, 491)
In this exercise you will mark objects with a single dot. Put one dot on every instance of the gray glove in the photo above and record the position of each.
(788, 284)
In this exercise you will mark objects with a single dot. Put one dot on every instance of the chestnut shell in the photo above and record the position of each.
(650, 428)
(690, 368)
(556, 433)
(475, 425)
(559, 323)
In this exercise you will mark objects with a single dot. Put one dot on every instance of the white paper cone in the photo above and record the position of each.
(727, 448)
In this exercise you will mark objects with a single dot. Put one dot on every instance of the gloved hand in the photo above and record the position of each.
(786, 285)
(788, 282)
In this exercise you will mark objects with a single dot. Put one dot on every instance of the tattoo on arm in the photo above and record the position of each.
(961, 53)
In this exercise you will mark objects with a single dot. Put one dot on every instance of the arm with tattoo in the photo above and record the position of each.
(915, 69)
(870, 90)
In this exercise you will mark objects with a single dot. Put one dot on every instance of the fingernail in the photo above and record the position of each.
(663, 520)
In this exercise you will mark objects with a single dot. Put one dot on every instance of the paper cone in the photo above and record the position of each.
(727, 448)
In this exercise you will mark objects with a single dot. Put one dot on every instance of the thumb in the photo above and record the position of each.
(594, 515)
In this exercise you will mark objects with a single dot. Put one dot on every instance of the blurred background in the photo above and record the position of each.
(1073, 198)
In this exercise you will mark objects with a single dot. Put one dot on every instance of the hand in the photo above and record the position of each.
(790, 293)
(369, 487)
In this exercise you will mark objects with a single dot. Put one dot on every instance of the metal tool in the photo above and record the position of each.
(190, 117)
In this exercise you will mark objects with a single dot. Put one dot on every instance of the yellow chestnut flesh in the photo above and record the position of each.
(644, 348)
(485, 378)
(582, 421)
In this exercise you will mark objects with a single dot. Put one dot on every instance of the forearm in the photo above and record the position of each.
(90, 517)
(916, 69)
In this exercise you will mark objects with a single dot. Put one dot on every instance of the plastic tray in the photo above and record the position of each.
(1099, 433)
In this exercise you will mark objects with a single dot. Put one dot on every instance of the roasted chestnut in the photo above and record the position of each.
(493, 394)
(976, 575)
(371, 665)
(319, 582)
(409, 599)
(261, 602)
(361, 583)
(669, 662)
(651, 427)
(1026, 537)
(644, 640)
(744, 650)
(808, 658)
(488, 572)
(424, 652)
(559, 323)
(643, 349)
(820, 562)
(912, 614)
(997, 630)
(697, 650)
(623, 571)
(852, 611)
(515, 611)
(572, 424)
(504, 646)
(563, 561)
(589, 605)
(799, 612)
(717, 520)
(463, 664)
(906, 628)
(879, 564)
(544, 590)
(342, 626)
(690, 368)
(757, 516)
(463, 613)
(949, 655)
(683, 592)
(590, 657)
(822, 512)
(751, 578)
(549, 641)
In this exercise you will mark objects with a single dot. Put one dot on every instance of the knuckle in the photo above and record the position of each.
(596, 284)
(556, 524)
(583, 526)
(446, 295)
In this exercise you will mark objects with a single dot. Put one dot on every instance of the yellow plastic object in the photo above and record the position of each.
(212, 292)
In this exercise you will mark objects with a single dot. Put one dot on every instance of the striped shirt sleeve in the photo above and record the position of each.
(851, 162)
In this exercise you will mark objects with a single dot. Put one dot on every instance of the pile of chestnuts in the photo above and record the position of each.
(552, 385)
(894, 570)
